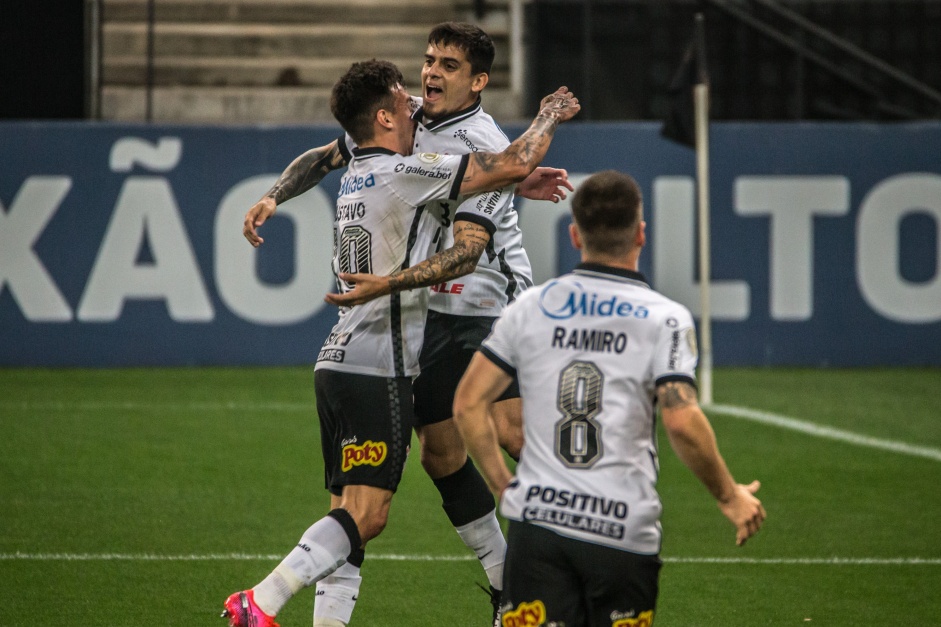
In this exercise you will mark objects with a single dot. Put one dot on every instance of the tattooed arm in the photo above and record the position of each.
(303, 174)
(486, 171)
(470, 240)
(694, 441)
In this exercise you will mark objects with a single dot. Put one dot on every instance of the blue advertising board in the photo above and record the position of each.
(121, 244)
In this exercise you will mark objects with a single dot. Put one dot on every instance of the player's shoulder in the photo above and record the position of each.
(667, 309)
(474, 130)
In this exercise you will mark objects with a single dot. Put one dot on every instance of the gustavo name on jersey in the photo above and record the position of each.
(564, 508)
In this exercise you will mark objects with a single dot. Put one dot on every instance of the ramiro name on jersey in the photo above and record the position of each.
(596, 340)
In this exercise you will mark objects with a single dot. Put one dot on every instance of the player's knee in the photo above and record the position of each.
(372, 524)
(442, 450)
(442, 461)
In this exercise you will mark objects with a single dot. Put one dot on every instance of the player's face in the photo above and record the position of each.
(405, 127)
(448, 85)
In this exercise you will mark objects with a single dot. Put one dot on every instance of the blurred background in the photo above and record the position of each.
(249, 61)
(135, 134)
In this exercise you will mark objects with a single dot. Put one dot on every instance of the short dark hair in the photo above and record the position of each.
(366, 88)
(607, 211)
(470, 38)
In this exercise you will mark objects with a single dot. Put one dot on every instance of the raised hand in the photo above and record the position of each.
(561, 105)
(545, 184)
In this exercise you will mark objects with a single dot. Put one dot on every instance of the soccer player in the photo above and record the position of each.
(363, 376)
(594, 351)
(479, 241)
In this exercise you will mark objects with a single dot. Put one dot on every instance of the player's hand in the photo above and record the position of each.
(561, 105)
(366, 287)
(545, 184)
(745, 511)
(256, 216)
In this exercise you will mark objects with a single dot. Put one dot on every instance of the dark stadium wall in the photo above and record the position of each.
(42, 65)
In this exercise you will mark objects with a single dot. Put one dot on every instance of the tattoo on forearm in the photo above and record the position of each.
(527, 149)
(306, 171)
(469, 242)
(676, 394)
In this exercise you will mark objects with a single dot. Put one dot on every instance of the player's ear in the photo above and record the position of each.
(480, 81)
(640, 240)
(384, 117)
(574, 237)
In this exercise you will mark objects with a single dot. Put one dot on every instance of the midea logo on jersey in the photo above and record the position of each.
(351, 184)
(561, 301)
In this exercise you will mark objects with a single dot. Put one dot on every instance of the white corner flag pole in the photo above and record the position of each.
(701, 104)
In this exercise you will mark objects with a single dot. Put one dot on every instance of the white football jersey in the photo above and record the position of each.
(381, 227)
(589, 349)
(503, 270)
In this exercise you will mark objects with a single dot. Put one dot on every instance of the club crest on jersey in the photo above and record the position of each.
(644, 619)
(368, 453)
(525, 615)
(428, 157)
(561, 301)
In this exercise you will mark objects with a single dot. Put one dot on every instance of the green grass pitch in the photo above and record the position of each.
(146, 496)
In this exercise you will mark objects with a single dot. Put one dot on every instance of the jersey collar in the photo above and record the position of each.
(360, 153)
(596, 269)
(447, 120)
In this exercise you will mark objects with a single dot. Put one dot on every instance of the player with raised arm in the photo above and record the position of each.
(594, 351)
(363, 376)
(479, 243)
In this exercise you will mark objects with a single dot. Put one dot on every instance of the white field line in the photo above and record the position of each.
(830, 433)
(243, 557)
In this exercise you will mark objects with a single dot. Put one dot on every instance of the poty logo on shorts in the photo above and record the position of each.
(368, 453)
(525, 615)
(644, 619)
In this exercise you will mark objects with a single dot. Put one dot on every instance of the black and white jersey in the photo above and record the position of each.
(381, 227)
(503, 270)
(589, 349)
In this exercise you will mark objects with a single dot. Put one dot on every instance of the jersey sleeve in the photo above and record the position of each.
(423, 177)
(485, 209)
(676, 355)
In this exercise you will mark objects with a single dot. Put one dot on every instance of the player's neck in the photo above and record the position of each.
(622, 262)
(387, 141)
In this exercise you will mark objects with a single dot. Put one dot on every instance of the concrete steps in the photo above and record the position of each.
(283, 11)
(246, 61)
(249, 105)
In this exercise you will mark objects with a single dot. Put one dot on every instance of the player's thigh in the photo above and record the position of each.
(539, 583)
(620, 587)
(366, 424)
